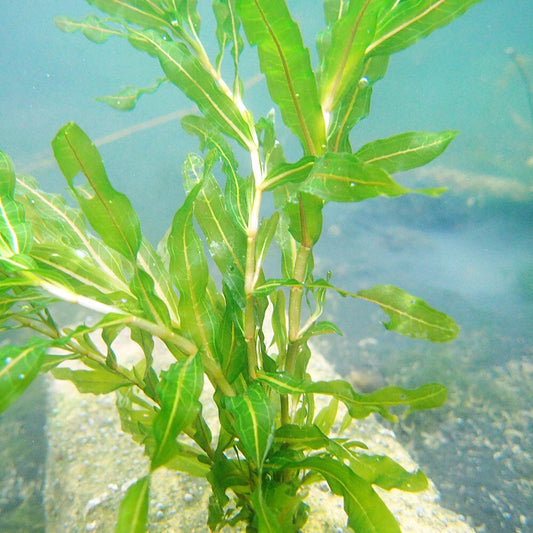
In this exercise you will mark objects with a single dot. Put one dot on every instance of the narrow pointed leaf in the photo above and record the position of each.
(97, 381)
(19, 366)
(406, 150)
(133, 513)
(266, 517)
(253, 415)
(15, 232)
(189, 272)
(287, 66)
(127, 98)
(407, 22)
(237, 189)
(355, 104)
(428, 396)
(185, 71)
(381, 470)
(143, 287)
(343, 61)
(288, 173)
(229, 34)
(411, 316)
(144, 13)
(342, 178)
(366, 511)
(225, 240)
(179, 391)
(91, 26)
(109, 212)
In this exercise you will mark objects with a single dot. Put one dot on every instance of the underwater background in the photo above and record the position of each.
(468, 253)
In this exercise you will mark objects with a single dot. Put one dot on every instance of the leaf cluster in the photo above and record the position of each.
(203, 291)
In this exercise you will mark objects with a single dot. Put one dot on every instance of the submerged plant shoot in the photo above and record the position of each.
(222, 318)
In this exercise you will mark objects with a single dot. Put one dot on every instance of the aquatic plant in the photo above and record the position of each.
(270, 443)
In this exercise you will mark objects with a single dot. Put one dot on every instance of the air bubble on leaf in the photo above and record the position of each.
(175, 23)
(32, 201)
(21, 377)
(7, 360)
(81, 254)
(123, 300)
(364, 83)
(352, 184)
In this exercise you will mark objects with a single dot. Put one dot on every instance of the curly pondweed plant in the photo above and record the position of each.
(270, 443)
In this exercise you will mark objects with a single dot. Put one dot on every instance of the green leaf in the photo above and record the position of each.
(405, 151)
(185, 71)
(343, 61)
(254, 419)
(97, 381)
(225, 240)
(189, 272)
(305, 218)
(266, 518)
(127, 98)
(342, 178)
(288, 173)
(15, 233)
(77, 253)
(237, 190)
(179, 390)
(428, 396)
(411, 316)
(91, 26)
(133, 513)
(287, 66)
(145, 13)
(366, 511)
(228, 34)
(19, 366)
(407, 22)
(109, 212)
(355, 104)
(388, 474)
(143, 287)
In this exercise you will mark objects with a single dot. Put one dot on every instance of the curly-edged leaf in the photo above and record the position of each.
(127, 98)
(144, 13)
(288, 173)
(185, 71)
(411, 316)
(237, 189)
(19, 366)
(343, 178)
(343, 60)
(51, 218)
(254, 419)
(143, 287)
(231, 341)
(150, 261)
(179, 390)
(225, 240)
(287, 66)
(386, 473)
(366, 511)
(91, 26)
(15, 233)
(428, 396)
(267, 518)
(407, 22)
(189, 272)
(406, 150)
(229, 34)
(355, 104)
(109, 212)
(133, 512)
(96, 381)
